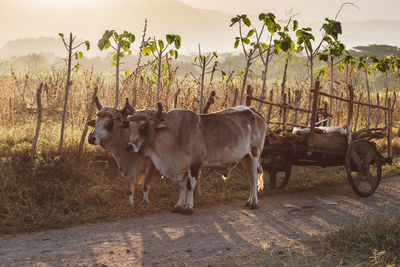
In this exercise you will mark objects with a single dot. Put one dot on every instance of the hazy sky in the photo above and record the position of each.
(89, 18)
(309, 9)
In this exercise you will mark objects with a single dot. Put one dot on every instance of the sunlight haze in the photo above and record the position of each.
(197, 21)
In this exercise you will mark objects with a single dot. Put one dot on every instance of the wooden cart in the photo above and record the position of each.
(354, 150)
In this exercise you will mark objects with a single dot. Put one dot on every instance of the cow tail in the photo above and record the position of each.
(260, 177)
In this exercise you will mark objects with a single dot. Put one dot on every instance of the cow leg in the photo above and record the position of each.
(147, 182)
(198, 188)
(191, 185)
(182, 197)
(131, 191)
(252, 164)
(246, 165)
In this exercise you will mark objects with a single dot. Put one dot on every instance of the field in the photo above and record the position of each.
(52, 189)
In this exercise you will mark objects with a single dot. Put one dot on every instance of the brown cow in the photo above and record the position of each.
(180, 142)
(112, 136)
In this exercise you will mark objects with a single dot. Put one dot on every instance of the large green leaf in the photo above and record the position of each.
(146, 51)
(246, 21)
(170, 38)
(160, 44)
(236, 43)
(295, 25)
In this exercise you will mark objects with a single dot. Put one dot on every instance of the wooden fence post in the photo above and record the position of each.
(378, 112)
(350, 114)
(284, 112)
(357, 112)
(235, 97)
(389, 128)
(271, 99)
(325, 113)
(339, 110)
(39, 118)
(209, 102)
(309, 107)
(297, 105)
(176, 97)
(314, 111)
(249, 93)
(85, 128)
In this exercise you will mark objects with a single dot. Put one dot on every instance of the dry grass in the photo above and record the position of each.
(52, 191)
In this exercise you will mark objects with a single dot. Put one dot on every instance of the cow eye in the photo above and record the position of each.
(109, 126)
(143, 129)
(125, 124)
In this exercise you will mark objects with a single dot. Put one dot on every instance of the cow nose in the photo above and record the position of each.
(129, 147)
(91, 139)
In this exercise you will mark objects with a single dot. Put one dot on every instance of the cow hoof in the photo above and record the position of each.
(177, 209)
(247, 203)
(187, 211)
(253, 206)
(145, 204)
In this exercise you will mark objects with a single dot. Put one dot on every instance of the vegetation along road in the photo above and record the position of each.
(226, 233)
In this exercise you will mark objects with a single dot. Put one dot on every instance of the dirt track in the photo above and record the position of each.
(169, 238)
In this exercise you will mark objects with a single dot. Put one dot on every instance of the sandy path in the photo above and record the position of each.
(168, 238)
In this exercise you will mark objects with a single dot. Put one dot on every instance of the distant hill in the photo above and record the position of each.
(208, 27)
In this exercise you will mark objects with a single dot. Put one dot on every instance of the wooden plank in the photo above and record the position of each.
(354, 102)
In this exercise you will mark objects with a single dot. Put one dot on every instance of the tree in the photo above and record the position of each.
(274, 46)
(383, 65)
(72, 51)
(250, 43)
(363, 64)
(203, 62)
(121, 45)
(158, 49)
(331, 28)
(334, 51)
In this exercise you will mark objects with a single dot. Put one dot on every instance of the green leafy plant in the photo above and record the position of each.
(275, 45)
(203, 62)
(159, 50)
(73, 51)
(250, 43)
(121, 44)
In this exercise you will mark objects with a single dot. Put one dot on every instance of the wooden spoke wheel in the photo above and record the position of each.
(279, 170)
(363, 167)
(279, 180)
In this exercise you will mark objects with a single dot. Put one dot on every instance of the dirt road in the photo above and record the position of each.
(171, 239)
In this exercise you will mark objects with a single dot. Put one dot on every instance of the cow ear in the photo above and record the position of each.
(160, 126)
(91, 123)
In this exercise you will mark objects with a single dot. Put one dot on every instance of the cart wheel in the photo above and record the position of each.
(363, 167)
(282, 177)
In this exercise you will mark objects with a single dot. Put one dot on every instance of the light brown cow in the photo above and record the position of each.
(180, 142)
(112, 136)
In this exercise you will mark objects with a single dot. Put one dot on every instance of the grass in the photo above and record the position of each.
(54, 191)
(375, 243)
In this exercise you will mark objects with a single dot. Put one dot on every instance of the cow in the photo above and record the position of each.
(112, 136)
(181, 142)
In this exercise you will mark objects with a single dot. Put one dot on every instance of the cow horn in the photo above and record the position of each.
(159, 110)
(98, 105)
(128, 109)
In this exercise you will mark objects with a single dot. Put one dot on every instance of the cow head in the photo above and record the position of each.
(108, 122)
(144, 125)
